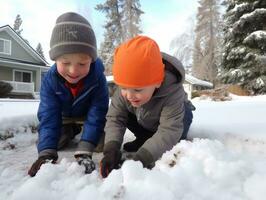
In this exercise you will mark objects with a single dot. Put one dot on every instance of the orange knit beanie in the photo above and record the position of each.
(138, 63)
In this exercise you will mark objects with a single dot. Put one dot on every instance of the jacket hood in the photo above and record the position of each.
(174, 75)
(173, 65)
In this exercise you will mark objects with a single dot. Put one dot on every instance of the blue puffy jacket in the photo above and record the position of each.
(57, 102)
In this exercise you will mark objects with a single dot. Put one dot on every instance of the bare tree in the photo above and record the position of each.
(207, 39)
(182, 45)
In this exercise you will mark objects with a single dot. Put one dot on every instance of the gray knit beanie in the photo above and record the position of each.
(72, 34)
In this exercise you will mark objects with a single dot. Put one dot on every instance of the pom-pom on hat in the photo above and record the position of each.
(72, 34)
(138, 63)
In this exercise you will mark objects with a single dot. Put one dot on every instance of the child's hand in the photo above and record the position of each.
(110, 161)
(87, 162)
(41, 160)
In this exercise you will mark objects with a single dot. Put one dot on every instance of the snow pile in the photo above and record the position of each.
(229, 164)
(202, 169)
(17, 113)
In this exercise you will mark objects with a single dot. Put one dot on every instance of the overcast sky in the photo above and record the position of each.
(162, 20)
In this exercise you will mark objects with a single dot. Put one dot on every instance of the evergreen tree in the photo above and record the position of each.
(113, 34)
(17, 24)
(207, 41)
(123, 17)
(130, 12)
(245, 45)
(39, 49)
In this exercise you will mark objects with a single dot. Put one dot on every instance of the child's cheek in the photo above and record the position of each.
(123, 94)
(61, 72)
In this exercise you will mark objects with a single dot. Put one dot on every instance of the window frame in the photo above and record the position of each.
(22, 71)
(6, 46)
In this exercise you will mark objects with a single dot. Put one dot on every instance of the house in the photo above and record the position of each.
(20, 64)
(190, 84)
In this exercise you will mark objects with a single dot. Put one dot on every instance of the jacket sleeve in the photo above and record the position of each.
(116, 119)
(95, 122)
(50, 117)
(169, 131)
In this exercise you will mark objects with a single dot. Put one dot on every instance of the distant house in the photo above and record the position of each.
(20, 64)
(111, 85)
(190, 84)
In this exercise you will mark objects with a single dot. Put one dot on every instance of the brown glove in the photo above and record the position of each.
(145, 158)
(41, 160)
(111, 159)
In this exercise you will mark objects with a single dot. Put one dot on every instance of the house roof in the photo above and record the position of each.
(189, 78)
(195, 81)
(23, 43)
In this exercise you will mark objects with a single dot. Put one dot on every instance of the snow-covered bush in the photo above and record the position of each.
(5, 89)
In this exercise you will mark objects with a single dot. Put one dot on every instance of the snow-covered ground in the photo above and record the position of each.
(224, 159)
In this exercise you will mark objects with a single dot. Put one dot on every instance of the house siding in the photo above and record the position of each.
(17, 52)
(5, 73)
(23, 58)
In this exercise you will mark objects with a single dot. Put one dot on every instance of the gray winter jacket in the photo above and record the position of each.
(163, 114)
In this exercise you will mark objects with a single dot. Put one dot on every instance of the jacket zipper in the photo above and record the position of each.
(83, 95)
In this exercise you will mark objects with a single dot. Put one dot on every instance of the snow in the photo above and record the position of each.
(224, 158)
(257, 35)
(110, 78)
(17, 112)
(246, 17)
(252, 14)
(195, 81)
(260, 83)
(239, 7)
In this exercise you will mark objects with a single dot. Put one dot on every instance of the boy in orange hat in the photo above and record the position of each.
(150, 101)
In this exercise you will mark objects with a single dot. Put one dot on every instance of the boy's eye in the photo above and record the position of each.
(83, 64)
(137, 90)
(66, 63)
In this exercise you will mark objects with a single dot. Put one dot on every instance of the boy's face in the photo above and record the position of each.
(73, 67)
(138, 96)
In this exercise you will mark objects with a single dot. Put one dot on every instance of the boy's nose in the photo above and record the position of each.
(72, 70)
(130, 95)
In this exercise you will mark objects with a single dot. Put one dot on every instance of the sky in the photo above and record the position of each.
(224, 158)
(163, 19)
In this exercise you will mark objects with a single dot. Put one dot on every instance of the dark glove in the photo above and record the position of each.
(86, 161)
(111, 160)
(145, 158)
(41, 160)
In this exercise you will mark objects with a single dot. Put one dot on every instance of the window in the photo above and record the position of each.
(22, 76)
(5, 46)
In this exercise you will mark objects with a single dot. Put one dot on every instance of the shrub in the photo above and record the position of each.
(5, 89)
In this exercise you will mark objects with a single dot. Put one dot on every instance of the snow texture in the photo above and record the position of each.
(224, 158)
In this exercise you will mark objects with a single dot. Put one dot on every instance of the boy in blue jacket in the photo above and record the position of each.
(74, 88)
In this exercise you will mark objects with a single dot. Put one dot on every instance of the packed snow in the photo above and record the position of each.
(224, 158)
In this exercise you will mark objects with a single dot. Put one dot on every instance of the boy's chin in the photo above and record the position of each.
(72, 81)
(136, 104)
